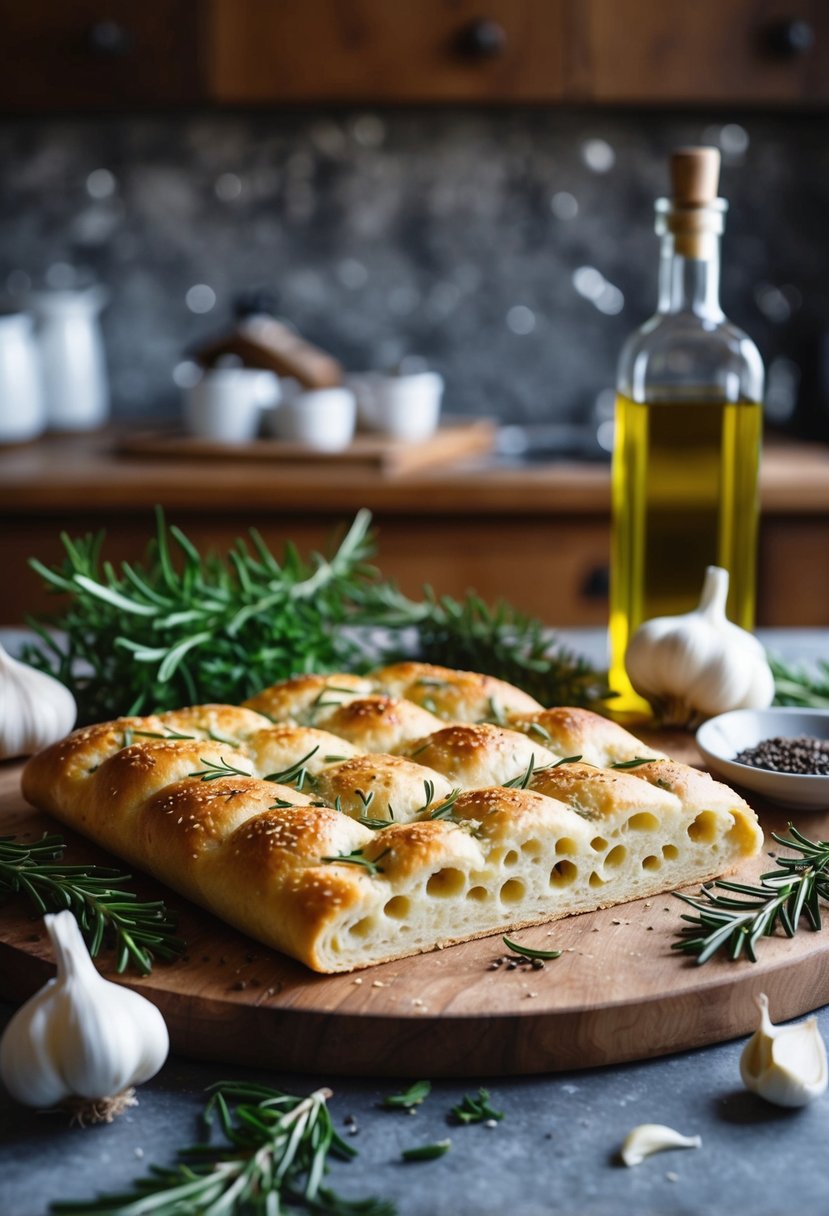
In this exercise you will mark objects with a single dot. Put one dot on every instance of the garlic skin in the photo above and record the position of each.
(650, 1138)
(694, 666)
(80, 1036)
(35, 709)
(786, 1065)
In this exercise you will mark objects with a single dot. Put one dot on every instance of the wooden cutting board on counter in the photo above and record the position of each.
(378, 454)
(618, 992)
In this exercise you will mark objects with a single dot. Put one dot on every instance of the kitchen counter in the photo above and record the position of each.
(554, 1152)
(478, 523)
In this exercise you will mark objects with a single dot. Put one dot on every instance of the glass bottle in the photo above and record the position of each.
(688, 431)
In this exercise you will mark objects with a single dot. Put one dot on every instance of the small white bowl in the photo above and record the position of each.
(323, 419)
(721, 738)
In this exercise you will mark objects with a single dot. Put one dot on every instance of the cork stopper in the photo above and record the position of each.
(695, 176)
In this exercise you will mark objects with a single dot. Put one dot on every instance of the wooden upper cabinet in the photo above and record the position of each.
(117, 54)
(388, 50)
(100, 54)
(753, 52)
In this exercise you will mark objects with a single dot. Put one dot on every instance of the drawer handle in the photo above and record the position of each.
(109, 39)
(791, 39)
(482, 39)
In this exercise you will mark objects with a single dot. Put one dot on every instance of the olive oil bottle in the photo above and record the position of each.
(688, 431)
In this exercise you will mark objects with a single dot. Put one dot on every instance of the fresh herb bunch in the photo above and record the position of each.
(736, 920)
(800, 685)
(96, 897)
(274, 1161)
(179, 628)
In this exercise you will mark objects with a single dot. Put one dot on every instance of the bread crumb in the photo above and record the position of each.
(357, 981)
(531, 994)
(377, 984)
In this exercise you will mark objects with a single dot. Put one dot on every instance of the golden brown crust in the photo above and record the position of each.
(456, 696)
(567, 731)
(206, 798)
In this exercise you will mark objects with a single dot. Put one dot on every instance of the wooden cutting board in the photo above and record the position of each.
(618, 992)
(370, 453)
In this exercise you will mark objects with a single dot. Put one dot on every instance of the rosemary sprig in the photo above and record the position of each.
(447, 807)
(409, 1098)
(528, 951)
(297, 773)
(800, 684)
(213, 770)
(357, 858)
(179, 628)
(634, 763)
(476, 1109)
(95, 896)
(735, 921)
(523, 779)
(427, 1152)
(273, 1161)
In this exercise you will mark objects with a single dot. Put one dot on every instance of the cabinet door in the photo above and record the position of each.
(66, 54)
(387, 50)
(740, 51)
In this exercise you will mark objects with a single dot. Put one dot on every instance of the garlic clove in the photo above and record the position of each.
(699, 664)
(81, 1040)
(35, 708)
(785, 1065)
(650, 1138)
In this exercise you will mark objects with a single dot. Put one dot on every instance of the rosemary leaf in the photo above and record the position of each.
(528, 951)
(357, 858)
(409, 1098)
(427, 1152)
(141, 931)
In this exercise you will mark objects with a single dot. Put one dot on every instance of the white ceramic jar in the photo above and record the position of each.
(404, 407)
(22, 413)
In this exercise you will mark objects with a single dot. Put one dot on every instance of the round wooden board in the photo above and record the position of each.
(618, 992)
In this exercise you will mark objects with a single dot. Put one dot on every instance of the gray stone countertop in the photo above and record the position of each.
(554, 1153)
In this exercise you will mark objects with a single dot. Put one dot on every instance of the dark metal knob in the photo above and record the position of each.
(109, 39)
(789, 39)
(482, 39)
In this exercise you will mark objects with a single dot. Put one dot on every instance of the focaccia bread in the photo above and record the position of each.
(363, 827)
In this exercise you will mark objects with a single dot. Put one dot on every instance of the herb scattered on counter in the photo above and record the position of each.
(476, 1108)
(427, 1152)
(409, 1098)
(529, 952)
(733, 916)
(179, 628)
(800, 684)
(275, 1157)
(805, 755)
(96, 897)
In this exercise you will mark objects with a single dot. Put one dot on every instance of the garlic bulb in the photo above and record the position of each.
(650, 1138)
(693, 666)
(35, 709)
(785, 1065)
(81, 1041)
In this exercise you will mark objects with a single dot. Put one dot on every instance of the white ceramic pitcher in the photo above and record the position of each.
(73, 368)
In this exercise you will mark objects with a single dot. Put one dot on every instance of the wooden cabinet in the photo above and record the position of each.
(734, 51)
(388, 50)
(104, 54)
(101, 54)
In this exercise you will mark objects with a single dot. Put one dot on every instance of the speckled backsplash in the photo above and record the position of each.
(513, 250)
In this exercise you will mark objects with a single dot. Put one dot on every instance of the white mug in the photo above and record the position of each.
(73, 366)
(323, 419)
(405, 407)
(226, 403)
